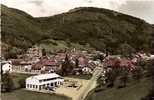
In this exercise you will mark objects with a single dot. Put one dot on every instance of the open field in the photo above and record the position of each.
(29, 95)
(134, 91)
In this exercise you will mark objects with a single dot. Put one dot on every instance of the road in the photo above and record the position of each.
(91, 85)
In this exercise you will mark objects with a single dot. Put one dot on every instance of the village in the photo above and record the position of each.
(51, 73)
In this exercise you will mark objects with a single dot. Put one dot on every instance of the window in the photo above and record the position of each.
(49, 79)
(33, 86)
(43, 85)
(40, 81)
(56, 83)
(51, 84)
(30, 85)
(27, 85)
(61, 83)
(36, 86)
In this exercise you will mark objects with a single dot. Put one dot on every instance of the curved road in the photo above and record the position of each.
(91, 85)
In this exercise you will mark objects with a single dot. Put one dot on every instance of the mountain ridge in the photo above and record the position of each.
(100, 28)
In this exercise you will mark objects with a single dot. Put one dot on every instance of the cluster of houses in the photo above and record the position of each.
(49, 65)
(33, 60)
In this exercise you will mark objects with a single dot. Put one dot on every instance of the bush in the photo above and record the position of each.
(22, 83)
(7, 83)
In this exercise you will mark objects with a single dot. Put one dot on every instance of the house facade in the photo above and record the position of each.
(6, 66)
(44, 82)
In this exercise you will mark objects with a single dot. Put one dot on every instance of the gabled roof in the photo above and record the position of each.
(45, 62)
(123, 62)
(83, 61)
(46, 76)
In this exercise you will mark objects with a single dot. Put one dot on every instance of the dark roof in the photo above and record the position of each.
(45, 62)
(123, 62)
(16, 61)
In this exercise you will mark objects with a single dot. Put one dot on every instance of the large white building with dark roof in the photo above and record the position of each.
(44, 81)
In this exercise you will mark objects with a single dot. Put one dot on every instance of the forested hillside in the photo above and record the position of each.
(99, 28)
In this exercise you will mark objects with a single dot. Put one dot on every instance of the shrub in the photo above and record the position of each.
(22, 83)
(7, 83)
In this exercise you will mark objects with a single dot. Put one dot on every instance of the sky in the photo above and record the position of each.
(40, 8)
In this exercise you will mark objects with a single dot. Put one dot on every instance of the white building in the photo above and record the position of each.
(86, 70)
(151, 57)
(44, 81)
(6, 66)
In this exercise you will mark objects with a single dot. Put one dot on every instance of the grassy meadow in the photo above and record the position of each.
(133, 91)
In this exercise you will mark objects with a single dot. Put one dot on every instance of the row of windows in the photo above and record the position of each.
(49, 79)
(44, 85)
(32, 86)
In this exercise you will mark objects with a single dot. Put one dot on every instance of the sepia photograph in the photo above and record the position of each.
(77, 50)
